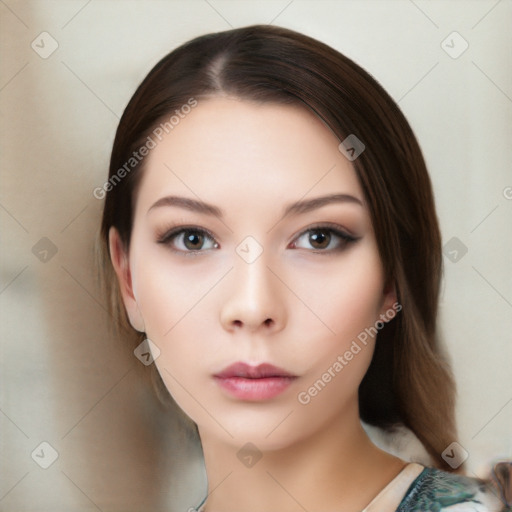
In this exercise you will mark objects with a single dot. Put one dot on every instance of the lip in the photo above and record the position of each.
(254, 383)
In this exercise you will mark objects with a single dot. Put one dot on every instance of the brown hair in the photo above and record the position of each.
(409, 381)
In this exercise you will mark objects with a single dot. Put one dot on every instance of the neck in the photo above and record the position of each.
(338, 468)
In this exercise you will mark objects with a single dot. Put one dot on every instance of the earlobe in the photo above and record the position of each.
(390, 305)
(120, 262)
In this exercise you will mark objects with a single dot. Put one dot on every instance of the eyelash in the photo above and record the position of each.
(168, 236)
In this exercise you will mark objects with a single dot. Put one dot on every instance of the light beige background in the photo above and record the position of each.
(65, 379)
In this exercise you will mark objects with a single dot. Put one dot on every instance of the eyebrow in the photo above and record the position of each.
(297, 208)
(317, 202)
(188, 204)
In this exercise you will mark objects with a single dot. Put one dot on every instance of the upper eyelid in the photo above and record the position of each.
(177, 230)
(328, 226)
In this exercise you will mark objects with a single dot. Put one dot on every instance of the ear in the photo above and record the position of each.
(122, 269)
(390, 306)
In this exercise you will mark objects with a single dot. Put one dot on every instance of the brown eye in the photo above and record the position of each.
(188, 240)
(319, 239)
(193, 240)
(323, 239)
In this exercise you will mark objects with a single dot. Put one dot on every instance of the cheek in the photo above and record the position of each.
(178, 302)
(345, 294)
(356, 299)
(346, 300)
(171, 292)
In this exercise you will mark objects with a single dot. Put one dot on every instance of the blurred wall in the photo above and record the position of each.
(68, 69)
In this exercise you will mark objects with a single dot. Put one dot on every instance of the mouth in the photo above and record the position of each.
(254, 383)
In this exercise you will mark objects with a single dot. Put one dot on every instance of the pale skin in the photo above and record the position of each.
(299, 305)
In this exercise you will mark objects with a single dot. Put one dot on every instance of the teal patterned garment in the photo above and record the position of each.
(438, 491)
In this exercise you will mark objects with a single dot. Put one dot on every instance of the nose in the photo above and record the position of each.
(254, 300)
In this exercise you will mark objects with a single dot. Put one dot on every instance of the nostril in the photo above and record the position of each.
(239, 323)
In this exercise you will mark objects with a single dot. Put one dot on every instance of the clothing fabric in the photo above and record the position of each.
(422, 489)
(434, 490)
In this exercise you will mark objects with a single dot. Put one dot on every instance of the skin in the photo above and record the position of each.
(297, 306)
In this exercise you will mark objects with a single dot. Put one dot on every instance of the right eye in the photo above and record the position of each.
(188, 240)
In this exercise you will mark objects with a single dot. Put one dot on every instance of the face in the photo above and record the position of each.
(252, 243)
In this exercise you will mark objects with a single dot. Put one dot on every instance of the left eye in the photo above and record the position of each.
(322, 239)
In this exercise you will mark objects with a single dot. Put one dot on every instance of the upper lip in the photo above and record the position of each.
(247, 371)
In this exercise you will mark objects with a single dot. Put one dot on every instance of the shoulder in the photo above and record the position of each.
(439, 491)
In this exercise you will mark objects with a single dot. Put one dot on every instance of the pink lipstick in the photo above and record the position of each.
(254, 383)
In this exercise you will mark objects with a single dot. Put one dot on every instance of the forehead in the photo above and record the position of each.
(238, 152)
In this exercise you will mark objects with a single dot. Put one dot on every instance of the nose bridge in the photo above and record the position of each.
(252, 279)
(254, 299)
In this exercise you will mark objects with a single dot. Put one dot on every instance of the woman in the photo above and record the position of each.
(271, 225)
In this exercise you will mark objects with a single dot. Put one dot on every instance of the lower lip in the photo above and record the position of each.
(255, 389)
